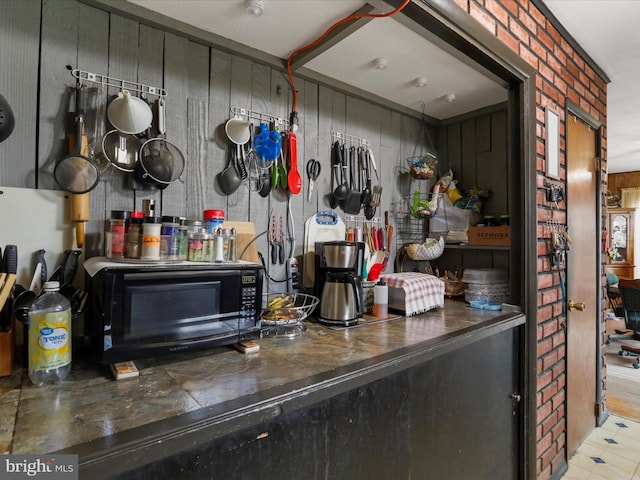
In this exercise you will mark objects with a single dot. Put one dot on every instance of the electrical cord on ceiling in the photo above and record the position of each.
(294, 114)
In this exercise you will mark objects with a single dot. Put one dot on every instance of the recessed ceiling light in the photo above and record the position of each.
(380, 63)
(420, 82)
(255, 7)
(449, 97)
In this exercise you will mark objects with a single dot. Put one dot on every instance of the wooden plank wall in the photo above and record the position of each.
(203, 83)
(617, 181)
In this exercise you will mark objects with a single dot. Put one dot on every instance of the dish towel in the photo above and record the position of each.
(422, 292)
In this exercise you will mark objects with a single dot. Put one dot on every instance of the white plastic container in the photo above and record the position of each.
(151, 228)
(49, 337)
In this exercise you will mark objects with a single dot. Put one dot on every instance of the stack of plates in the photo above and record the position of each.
(489, 285)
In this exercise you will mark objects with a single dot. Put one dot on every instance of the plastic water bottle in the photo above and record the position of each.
(49, 337)
(380, 299)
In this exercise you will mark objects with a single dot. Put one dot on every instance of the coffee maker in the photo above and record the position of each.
(338, 282)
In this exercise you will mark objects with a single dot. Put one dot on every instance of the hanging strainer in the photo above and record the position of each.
(76, 173)
(160, 162)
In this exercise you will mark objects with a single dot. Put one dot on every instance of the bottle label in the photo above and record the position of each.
(49, 340)
(151, 240)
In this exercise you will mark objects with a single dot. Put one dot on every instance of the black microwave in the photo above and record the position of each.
(143, 310)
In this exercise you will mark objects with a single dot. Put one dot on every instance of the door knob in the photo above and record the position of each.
(577, 306)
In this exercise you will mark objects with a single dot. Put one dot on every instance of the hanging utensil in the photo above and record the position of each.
(377, 190)
(7, 120)
(366, 190)
(121, 150)
(294, 180)
(341, 191)
(353, 203)
(160, 162)
(76, 173)
(228, 179)
(313, 171)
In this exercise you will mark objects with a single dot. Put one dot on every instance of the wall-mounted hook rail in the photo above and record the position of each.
(281, 123)
(349, 138)
(118, 83)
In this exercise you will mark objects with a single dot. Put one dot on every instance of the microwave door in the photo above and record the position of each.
(169, 312)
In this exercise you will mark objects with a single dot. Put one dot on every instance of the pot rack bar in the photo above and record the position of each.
(118, 83)
(261, 117)
(349, 138)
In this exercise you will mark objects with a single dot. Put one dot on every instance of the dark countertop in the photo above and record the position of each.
(90, 412)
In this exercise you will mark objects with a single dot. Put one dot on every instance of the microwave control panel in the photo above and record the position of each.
(250, 295)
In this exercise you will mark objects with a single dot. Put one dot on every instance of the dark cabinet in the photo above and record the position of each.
(450, 416)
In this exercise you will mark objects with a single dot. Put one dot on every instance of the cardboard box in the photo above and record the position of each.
(490, 236)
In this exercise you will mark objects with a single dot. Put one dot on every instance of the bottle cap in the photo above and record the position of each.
(381, 283)
(169, 219)
(152, 220)
(119, 214)
(137, 214)
(213, 214)
(51, 285)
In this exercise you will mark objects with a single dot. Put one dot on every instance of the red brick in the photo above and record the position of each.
(507, 38)
(528, 56)
(498, 11)
(519, 32)
(544, 444)
(544, 379)
(485, 20)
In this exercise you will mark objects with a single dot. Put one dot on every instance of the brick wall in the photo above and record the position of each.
(562, 75)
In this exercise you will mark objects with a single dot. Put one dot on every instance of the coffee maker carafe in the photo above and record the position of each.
(339, 282)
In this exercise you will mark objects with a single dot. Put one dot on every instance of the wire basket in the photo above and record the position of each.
(287, 308)
(422, 167)
(429, 250)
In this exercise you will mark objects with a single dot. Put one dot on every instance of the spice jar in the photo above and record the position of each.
(117, 228)
(169, 237)
(151, 227)
(504, 220)
(200, 246)
(212, 219)
(134, 235)
(182, 238)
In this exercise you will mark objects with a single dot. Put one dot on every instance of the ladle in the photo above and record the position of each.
(228, 179)
(341, 192)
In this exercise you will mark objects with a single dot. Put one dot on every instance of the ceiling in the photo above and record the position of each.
(287, 25)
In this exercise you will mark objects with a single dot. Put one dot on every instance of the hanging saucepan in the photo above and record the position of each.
(76, 173)
(7, 120)
(160, 162)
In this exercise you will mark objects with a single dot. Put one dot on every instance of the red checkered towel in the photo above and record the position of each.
(422, 292)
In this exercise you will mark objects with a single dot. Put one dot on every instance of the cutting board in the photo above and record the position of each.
(246, 233)
(324, 226)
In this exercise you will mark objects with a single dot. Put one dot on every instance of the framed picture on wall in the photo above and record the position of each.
(552, 144)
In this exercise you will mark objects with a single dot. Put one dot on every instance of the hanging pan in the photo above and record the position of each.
(160, 162)
(76, 173)
(7, 120)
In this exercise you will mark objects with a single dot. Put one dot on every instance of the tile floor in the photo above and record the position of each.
(610, 452)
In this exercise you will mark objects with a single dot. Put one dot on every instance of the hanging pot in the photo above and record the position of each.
(7, 120)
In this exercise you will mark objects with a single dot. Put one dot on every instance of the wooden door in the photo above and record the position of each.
(582, 281)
